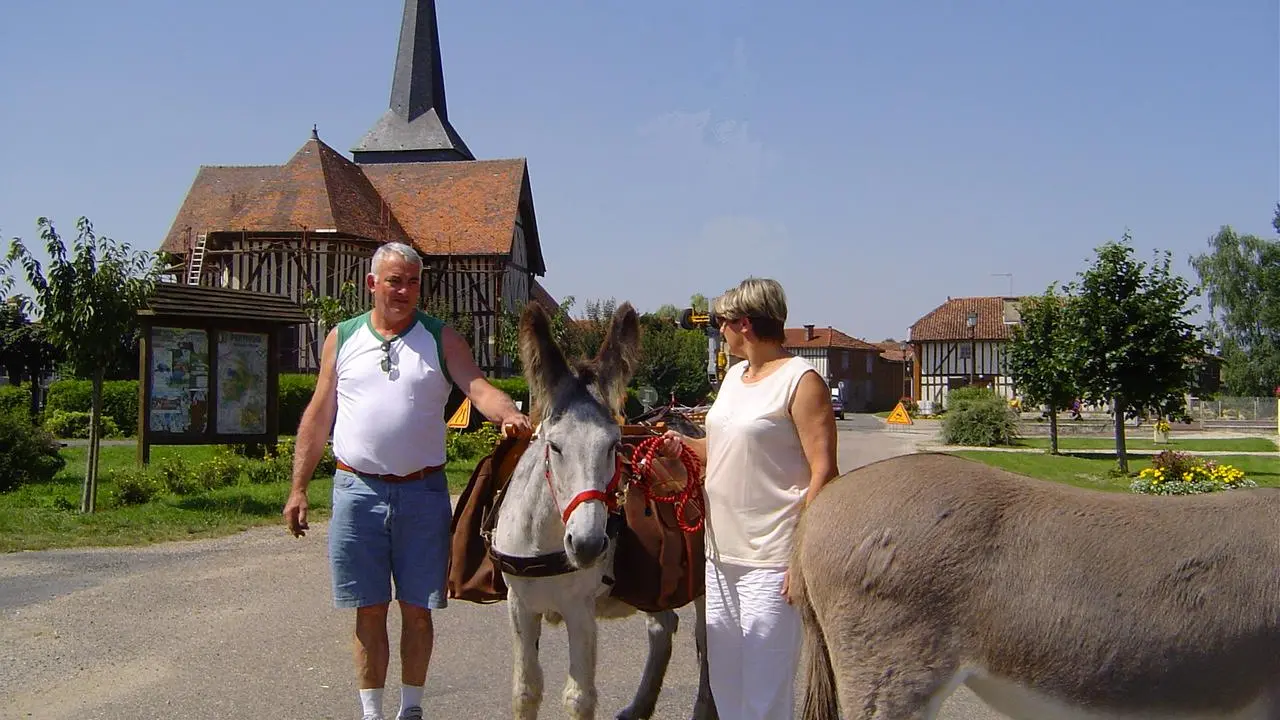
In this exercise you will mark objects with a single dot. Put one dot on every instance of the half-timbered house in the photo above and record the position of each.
(961, 343)
(313, 223)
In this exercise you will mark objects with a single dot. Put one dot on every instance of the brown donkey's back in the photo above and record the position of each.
(917, 573)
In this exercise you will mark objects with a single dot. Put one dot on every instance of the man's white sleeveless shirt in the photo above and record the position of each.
(391, 422)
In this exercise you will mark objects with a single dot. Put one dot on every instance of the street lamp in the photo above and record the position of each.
(906, 390)
(972, 322)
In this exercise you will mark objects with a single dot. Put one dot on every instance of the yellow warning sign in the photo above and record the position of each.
(899, 416)
(462, 416)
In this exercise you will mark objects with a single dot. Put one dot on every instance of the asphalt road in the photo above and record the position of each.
(241, 627)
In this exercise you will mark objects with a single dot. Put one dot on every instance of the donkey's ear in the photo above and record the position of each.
(544, 364)
(619, 355)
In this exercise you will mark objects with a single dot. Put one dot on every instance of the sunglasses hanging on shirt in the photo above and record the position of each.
(386, 356)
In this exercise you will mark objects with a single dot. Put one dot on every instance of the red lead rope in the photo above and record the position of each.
(689, 496)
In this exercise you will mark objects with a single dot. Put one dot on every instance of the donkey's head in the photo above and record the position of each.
(576, 408)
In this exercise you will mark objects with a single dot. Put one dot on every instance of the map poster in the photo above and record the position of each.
(242, 383)
(179, 401)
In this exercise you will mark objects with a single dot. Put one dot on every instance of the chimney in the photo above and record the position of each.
(808, 333)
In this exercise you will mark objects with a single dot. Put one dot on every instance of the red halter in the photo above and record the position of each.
(609, 496)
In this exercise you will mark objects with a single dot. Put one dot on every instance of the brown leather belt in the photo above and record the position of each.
(415, 475)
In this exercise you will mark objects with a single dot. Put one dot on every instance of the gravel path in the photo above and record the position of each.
(241, 627)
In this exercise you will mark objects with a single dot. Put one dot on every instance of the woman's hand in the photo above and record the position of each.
(672, 444)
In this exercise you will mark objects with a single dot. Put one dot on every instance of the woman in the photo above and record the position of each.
(769, 449)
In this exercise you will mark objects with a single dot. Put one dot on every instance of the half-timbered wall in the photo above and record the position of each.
(469, 286)
(945, 365)
(517, 280)
(291, 267)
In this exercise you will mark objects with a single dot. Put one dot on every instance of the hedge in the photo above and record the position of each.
(119, 401)
(296, 390)
(14, 400)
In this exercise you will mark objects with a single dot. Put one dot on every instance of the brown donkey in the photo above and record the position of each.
(916, 574)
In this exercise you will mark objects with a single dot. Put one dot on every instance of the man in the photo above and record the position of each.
(385, 377)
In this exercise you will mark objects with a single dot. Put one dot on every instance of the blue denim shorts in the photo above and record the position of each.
(384, 531)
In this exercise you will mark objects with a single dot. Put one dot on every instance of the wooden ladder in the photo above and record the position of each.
(196, 267)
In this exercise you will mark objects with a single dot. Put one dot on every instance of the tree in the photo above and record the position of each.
(1135, 347)
(699, 303)
(1041, 357)
(326, 311)
(1240, 276)
(668, 312)
(673, 361)
(26, 351)
(589, 330)
(509, 331)
(87, 301)
(329, 310)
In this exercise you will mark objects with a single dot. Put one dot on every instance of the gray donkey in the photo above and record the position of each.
(552, 536)
(916, 574)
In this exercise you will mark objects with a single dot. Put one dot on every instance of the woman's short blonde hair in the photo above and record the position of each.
(760, 300)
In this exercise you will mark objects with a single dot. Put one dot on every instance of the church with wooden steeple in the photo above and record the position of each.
(312, 224)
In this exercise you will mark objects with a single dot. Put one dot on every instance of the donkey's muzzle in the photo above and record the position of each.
(585, 550)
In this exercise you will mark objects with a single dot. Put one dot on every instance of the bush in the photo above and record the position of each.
(176, 476)
(296, 390)
(909, 404)
(516, 387)
(74, 424)
(978, 417)
(1177, 473)
(15, 400)
(277, 469)
(471, 445)
(28, 453)
(135, 486)
(119, 401)
(221, 470)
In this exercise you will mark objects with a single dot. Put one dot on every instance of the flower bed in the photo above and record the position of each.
(1177, 473)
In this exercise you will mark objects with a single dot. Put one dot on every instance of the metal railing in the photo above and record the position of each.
(1234, 410)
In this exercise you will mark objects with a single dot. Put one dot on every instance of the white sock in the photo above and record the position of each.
(371, 702)
(410, 696)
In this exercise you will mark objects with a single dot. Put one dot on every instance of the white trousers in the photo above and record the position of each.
(753, 643)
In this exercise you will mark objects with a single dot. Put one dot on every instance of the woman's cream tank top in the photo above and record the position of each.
(757, 474)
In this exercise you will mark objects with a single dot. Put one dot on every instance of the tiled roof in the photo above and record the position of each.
(216, 195)
(948, 321)
(463, 208)
(892, 352)
(319, 189)
(825, 338)
(544, 298)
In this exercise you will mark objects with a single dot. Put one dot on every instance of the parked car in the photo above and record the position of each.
(837, 404)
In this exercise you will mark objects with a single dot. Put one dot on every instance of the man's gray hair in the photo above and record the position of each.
(409, 255)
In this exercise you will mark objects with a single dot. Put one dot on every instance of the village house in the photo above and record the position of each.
(866, 380)
(899, 353)
(313, 223)
(960, 343)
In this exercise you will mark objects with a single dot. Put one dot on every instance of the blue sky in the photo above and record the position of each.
(875, 157)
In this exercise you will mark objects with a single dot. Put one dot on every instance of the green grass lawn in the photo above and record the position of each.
(1245, 444)
(46, 515)
(1093, 471)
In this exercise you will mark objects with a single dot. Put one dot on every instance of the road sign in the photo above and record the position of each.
(899, 416)
(462, 417)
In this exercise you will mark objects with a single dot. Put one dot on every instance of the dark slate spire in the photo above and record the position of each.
(416, 128)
